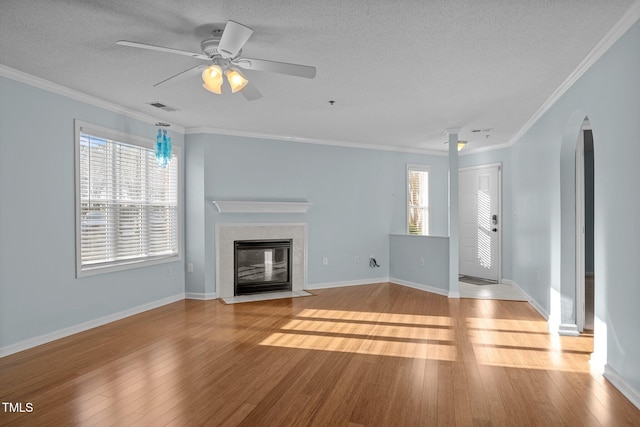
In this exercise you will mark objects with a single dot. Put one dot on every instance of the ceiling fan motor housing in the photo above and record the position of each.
(210, 46)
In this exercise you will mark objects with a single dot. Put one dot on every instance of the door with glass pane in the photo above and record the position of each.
(480, 222)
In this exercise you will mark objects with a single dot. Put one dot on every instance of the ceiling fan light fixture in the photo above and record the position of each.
(212, 78)
(222, 51)
(236, 80)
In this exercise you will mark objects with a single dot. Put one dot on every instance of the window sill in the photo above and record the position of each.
(126, 265)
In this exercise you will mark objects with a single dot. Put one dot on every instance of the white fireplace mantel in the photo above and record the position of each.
(249, 206)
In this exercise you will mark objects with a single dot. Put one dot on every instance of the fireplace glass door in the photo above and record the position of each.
(262, 266)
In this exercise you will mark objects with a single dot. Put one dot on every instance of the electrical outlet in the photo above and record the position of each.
(356, 260)
(168, 271)
(325, 261)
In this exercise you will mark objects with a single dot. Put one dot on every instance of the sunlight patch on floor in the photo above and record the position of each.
(409, 319)
(526, 344)
(370, 346)
(361, 332)
(370, 330)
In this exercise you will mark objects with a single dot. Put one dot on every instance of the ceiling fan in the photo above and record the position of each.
(223, 53)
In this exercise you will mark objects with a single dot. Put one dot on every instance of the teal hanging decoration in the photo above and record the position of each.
(163, 148)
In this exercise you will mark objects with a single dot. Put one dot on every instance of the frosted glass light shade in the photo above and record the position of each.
(236, 80)
(212, 78)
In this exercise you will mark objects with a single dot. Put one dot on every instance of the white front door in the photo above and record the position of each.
(480, 221)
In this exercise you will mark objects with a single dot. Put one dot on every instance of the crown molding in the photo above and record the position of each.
(631, 16)
(31, 80)
(347, 144)
(49, 86)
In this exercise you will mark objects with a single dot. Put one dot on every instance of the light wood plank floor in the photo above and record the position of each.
(374, 355)
(503, 291)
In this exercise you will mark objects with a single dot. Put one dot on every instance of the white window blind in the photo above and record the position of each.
(418, 200)
(128, 205)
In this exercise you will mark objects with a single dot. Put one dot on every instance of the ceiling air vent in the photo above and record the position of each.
(162, 106)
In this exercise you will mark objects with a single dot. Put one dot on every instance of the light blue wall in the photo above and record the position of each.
(195, 220)
(406, 253)
(502, 156)
(358, 198)
(39, 293)
(609, 93)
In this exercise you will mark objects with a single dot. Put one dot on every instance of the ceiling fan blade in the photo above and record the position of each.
(276, 67)
(234, 36)
(183, 75)
(250, 92)
(162, 49)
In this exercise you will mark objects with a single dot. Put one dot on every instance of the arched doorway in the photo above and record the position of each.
(580, 311)
(576, 255)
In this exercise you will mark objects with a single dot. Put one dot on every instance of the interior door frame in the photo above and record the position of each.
(500, 215)
(580, 230)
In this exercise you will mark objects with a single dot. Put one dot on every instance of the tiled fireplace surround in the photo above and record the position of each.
(228, 233)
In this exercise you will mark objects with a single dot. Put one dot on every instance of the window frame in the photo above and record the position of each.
(125, 138)
(419, 168)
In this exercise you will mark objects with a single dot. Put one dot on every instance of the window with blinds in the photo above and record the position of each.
(127, 205)
(418, 199)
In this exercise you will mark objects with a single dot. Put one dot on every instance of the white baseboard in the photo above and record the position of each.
(419, 286)
(56, 335)
(568, 329)
(312, 286)
(629, 392)
(531, 301)
(200, 296)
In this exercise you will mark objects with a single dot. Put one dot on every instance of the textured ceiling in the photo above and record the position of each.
(400, 72)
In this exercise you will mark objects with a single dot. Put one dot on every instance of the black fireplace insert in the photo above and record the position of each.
(262, 266)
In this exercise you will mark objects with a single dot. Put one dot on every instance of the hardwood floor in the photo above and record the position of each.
(503, 291)
(374, 355)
